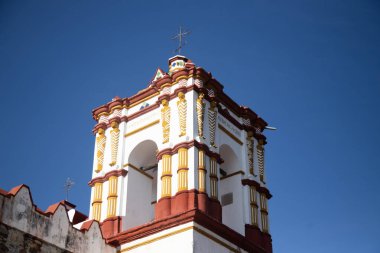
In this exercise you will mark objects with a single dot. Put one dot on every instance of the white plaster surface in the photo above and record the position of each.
(183, 238)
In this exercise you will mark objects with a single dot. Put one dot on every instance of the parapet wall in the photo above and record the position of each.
(25, 228)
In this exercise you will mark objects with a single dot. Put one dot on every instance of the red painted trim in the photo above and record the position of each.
(111, 226)
(187, 200)
(141, 95)
(114, 119)
(188, 145)
(100, 125)
(116, 173)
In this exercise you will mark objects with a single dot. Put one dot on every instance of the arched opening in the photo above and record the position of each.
(142, 184)
(231, 193)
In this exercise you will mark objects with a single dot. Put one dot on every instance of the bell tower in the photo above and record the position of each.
(180, 165)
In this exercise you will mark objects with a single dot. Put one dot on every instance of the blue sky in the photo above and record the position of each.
(309, 68)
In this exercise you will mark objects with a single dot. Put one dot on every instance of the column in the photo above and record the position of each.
(112, 196)
(182, 169)
(253, 205)
(166, 178)
(163, 205)
(201, 171)
(97, 201)
(213, 178)
(264, 213)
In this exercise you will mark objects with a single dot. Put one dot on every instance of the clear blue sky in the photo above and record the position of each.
(310, 68)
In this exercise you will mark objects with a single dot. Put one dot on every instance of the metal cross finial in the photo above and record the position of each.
(68, 185)
(180, 37)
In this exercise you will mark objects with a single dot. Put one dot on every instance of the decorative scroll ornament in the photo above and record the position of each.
(212, 122)
(250, 152)
(260, 159)
(100, 147)
(182, 110)
(115, 132)
(200, 114)
(165, 118)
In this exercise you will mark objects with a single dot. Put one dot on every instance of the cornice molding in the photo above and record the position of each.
(188, 145)
(190, 71)
(116, 173)
(258, 187)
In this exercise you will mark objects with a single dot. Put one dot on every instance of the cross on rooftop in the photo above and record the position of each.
(180, 37)
(68, 185)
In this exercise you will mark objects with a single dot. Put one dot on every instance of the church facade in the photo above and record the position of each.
(180, 165)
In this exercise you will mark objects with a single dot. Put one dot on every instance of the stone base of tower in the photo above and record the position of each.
(190, 231)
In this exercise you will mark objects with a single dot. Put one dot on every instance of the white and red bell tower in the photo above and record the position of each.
(180, 165)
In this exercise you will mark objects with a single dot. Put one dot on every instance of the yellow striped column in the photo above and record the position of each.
(254, 206)
(201, 171)
(97, 201)
(264, 213)
(213, 178)
(166, 178)
(182, 169)
(112, 196)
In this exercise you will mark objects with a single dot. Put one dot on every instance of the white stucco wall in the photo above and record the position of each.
(233, 214)
(138, 204)
(187, 238)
